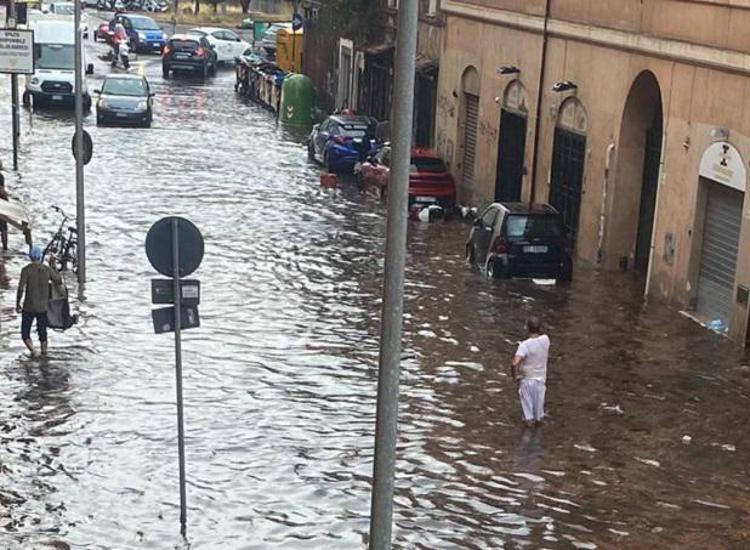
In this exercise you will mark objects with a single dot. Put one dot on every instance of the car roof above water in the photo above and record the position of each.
(352, 119)
(526, 208)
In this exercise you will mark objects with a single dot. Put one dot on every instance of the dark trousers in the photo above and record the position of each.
(27, 318)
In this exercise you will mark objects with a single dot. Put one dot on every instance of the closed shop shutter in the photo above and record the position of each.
(721, 237)
(470, 138)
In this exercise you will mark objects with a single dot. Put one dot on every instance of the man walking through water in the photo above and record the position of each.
(529, 369)
(34, 283)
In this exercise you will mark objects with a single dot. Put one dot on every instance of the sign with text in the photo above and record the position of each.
(163, 319)
(162, 291)
(16, 51)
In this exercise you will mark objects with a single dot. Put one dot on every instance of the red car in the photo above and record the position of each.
(430, 182)
(103, 33)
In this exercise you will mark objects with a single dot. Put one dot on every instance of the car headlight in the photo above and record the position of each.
(142, 35)
(102, 104)
(34, 81)
(142, 105)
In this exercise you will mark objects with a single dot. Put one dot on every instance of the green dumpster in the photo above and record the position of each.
(297, 96)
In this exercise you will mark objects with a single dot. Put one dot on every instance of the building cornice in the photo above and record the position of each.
(676, 50)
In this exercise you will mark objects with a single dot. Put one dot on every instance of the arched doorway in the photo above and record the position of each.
(568, 161)
(638, 170)
(469, 125)
(511, 150)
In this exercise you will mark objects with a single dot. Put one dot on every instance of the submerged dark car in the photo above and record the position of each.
(124, 99)
(520, 240)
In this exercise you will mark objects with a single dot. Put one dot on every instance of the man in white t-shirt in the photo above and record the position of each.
(529, 369)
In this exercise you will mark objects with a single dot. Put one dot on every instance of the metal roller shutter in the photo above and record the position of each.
(721, 237)
(470, 138)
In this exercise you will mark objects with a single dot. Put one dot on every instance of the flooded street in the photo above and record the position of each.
(280, 379)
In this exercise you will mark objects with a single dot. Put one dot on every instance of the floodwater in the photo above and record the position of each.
(280, 379)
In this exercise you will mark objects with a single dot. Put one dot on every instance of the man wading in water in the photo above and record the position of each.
(35, 279)
(529, 369)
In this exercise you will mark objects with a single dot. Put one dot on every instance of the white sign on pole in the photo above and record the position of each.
(16, 51)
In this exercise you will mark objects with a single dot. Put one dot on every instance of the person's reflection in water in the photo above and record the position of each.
(531, 450)
(46, 396)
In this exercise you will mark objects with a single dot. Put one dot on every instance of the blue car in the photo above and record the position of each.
(341, 141)
(145, 35)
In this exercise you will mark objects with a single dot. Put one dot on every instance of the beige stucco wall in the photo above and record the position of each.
(697, 97)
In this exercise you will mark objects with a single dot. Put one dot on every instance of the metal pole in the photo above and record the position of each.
(174, 17)
(176, 293)
(11, 20)
(381, 515)
(539, 98)
(80, 213)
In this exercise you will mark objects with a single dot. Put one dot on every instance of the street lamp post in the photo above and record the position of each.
(80, 212)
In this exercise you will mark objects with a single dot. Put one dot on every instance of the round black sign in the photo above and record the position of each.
(88, 147)
(159, 246)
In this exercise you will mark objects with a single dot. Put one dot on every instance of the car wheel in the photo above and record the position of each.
(495, 271)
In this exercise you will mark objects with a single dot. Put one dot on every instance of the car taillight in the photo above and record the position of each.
(200, 52)
(500, 246)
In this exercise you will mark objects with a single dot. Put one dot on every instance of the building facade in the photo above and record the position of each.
(642, 133)
(351, 53)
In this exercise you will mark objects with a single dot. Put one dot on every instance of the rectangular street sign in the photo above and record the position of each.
(162, 291)
(16, 51)
(164, 319)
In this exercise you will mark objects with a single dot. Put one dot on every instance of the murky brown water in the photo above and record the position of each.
(280, 380)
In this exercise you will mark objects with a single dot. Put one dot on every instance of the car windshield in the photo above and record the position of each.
(144, 23)
(54, 56)
(184, 44)
(534, 227)
(125, 86)
(426, 164)
(64, 9)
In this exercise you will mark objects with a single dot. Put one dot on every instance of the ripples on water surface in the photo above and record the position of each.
(280, 379)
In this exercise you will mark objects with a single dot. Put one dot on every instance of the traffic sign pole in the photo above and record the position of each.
(80, 210)
(178, 367)
(11, 16)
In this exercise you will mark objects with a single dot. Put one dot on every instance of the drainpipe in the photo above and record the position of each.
(603, 210)
(540, 95)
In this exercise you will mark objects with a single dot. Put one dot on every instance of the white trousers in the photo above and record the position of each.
(531, 393)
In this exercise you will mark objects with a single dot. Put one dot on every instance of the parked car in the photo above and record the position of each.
(520, 240)
(102, 32)
(341, 141)
(430, 182)
(268, 42)
(144, 33)
(186, 52)
(124, 99)
(227, 44)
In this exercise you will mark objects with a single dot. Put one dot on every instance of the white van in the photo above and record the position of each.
(53, 81)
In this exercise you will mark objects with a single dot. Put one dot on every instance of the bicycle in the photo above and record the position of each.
(63, 246)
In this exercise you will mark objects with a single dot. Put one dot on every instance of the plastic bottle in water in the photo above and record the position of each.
(717, 325)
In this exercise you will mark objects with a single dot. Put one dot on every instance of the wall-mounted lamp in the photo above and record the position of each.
(508, 69)
(564, 86)
(720, 133)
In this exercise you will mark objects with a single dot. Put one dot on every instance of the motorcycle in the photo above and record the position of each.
(122, 54)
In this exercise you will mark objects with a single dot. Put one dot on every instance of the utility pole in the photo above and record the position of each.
(386, 429)
(11, 22)
(539, 98)
(80, 211)
(174, 16)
